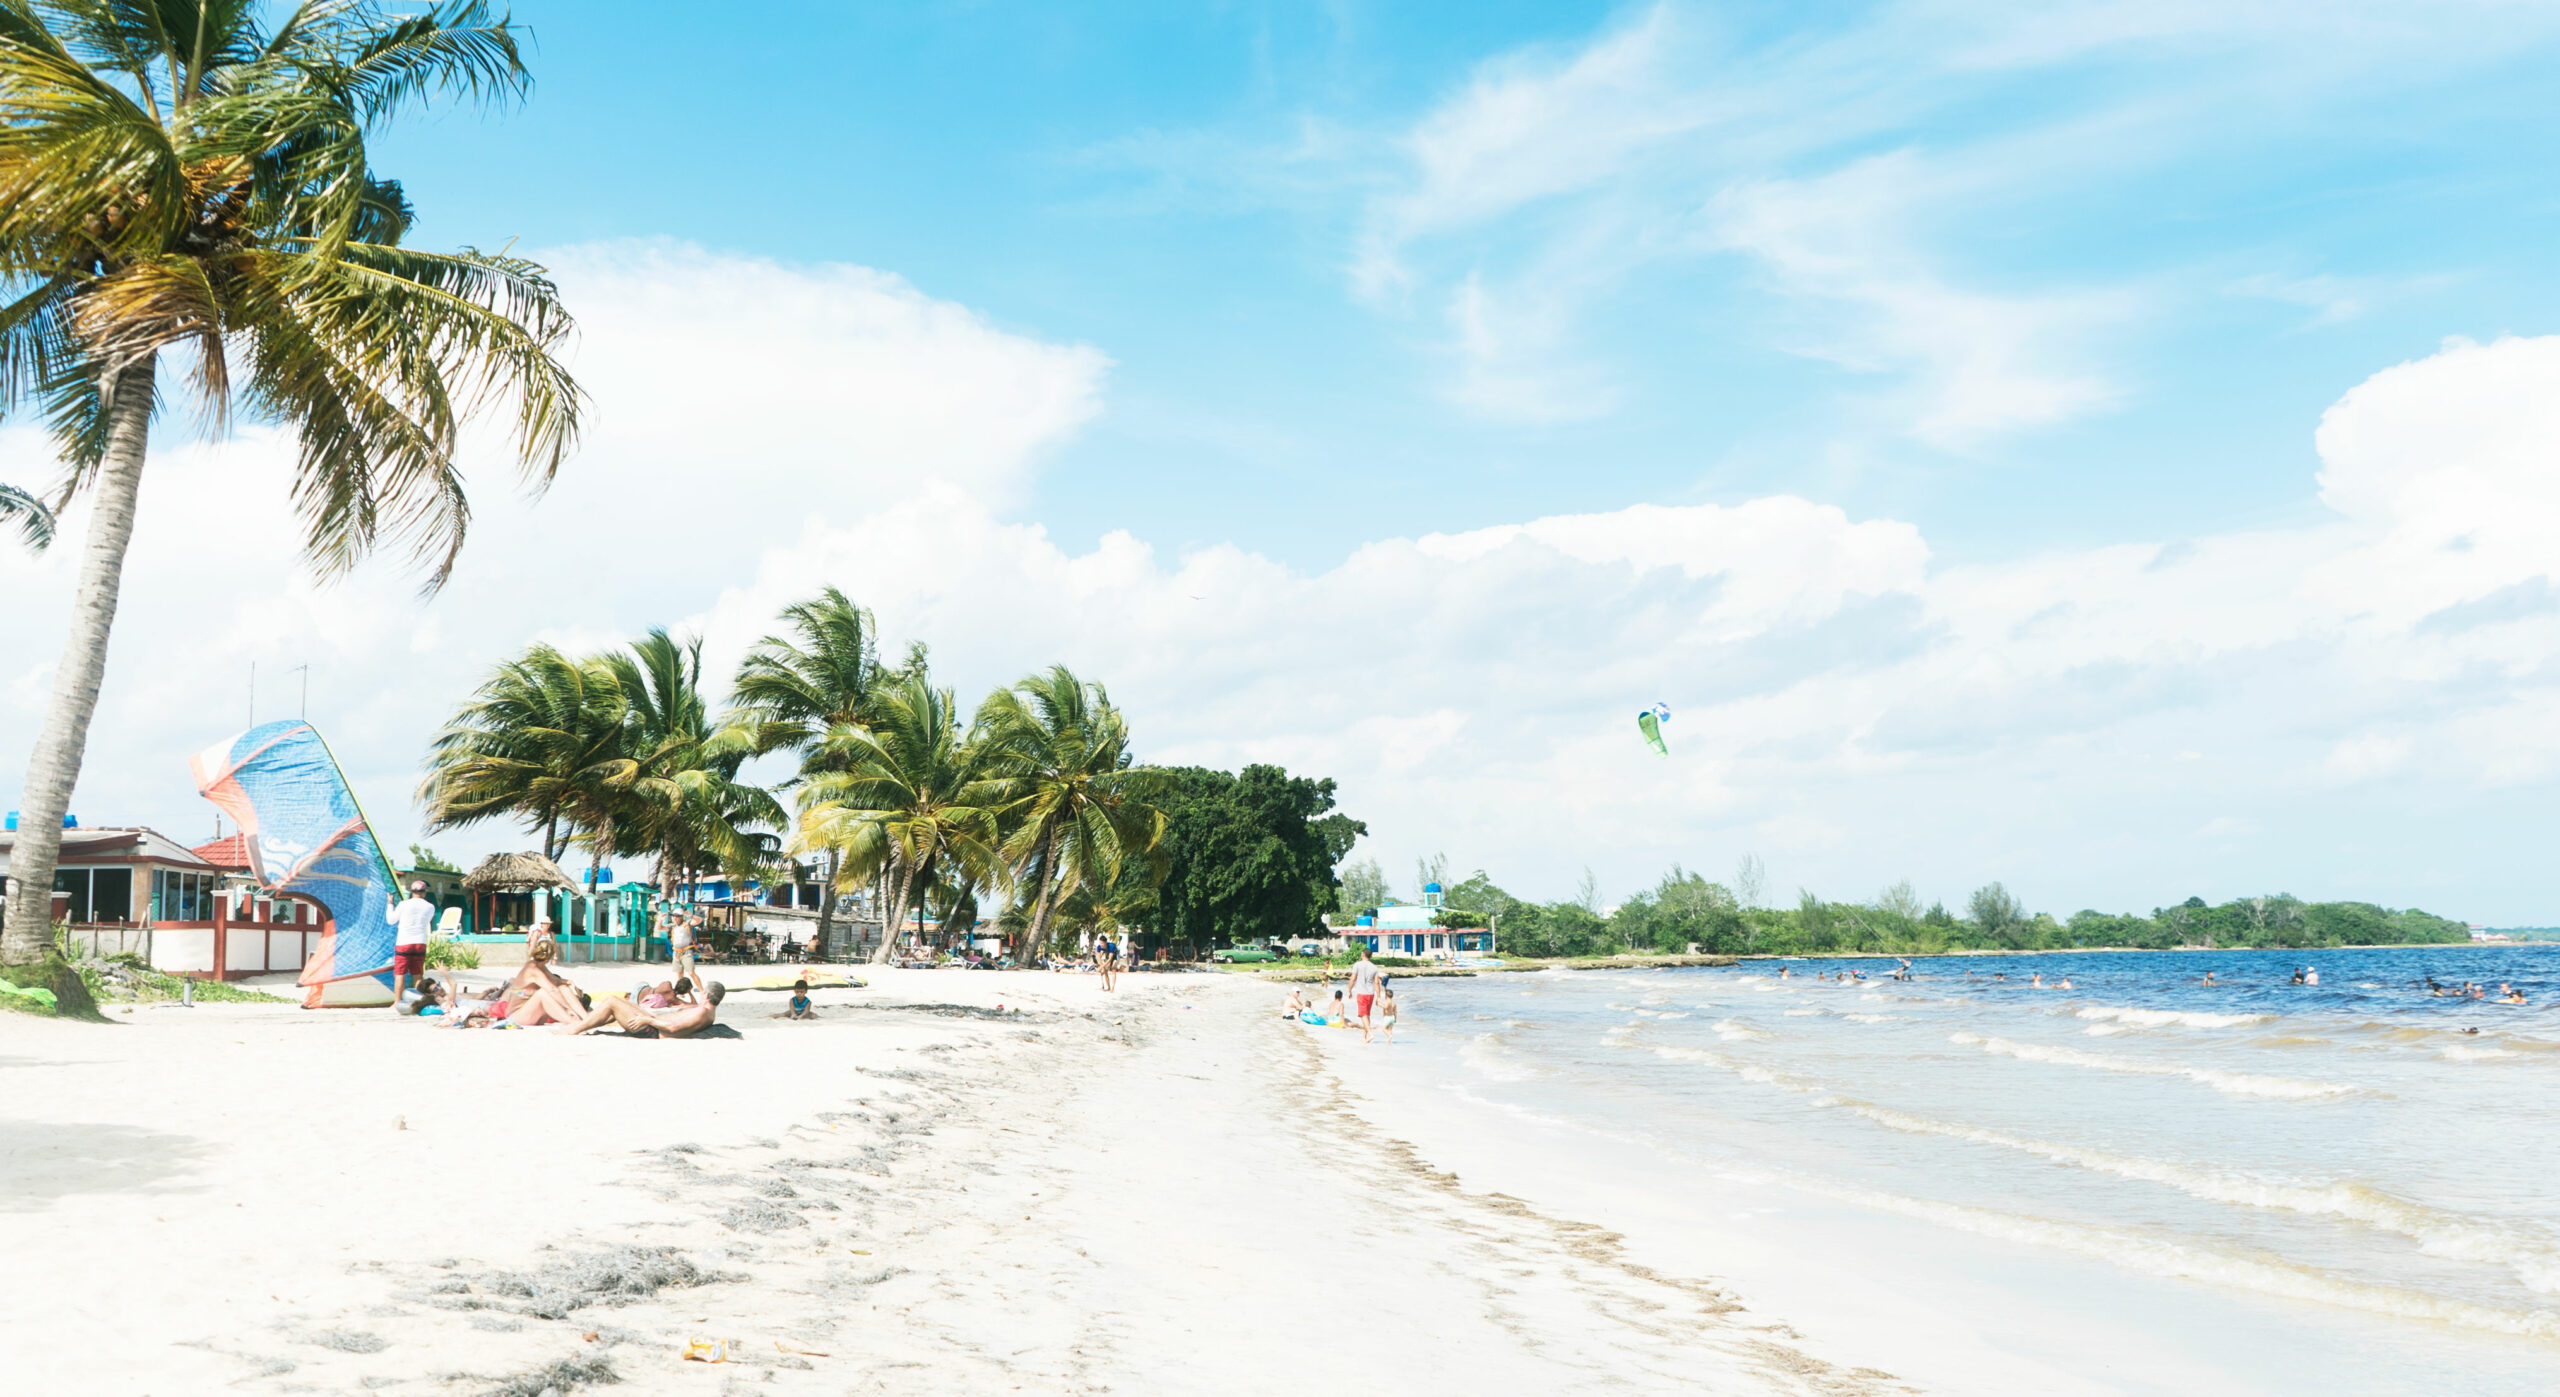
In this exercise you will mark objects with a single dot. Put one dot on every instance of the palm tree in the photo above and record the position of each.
(790, 693)
(1070, 809)
(686, 806)
(906, 796)
(542, 742)
(176, 176)
(35, 522)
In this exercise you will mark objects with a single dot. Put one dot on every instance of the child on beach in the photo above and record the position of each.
(1387, 1012)
(800, 1007)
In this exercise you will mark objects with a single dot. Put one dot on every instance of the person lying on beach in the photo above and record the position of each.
(800, 1007)
(637, 1022)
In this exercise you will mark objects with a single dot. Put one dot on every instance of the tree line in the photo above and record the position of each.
(1685, 909)
(1030, 811)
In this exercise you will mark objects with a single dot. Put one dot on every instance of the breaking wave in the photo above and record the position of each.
(2170, 1018)
(2236, 1083)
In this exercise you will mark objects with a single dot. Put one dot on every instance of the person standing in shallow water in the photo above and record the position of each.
(1364, 991)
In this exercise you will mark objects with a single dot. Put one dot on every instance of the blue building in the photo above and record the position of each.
(1404, 929)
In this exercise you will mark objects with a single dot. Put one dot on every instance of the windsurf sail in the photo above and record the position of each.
(307, 835)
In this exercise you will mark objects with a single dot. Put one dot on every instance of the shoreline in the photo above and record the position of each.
(921, 1192)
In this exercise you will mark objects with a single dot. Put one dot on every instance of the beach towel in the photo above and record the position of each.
(307, 835)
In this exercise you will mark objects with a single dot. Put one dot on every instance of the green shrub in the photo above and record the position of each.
(443, 954)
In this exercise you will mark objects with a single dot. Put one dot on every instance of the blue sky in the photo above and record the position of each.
(2104, 447)
(2212, 230)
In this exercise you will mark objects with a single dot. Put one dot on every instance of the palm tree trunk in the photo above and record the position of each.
(54, 770)
(1043, 900)
(826, 903)
(905, 877)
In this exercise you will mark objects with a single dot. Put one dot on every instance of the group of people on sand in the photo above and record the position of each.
(538, 995)
(1365, 1001)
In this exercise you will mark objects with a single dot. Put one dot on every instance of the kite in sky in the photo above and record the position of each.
(1649, 721)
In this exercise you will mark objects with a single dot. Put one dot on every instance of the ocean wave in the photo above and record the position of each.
(2536, 1262)
(2154, 1256)
(1805, 1013)
(1487, 1055)
(1871, 1018)
(2464, 1052)
(2170, 1018)
(1747, 1071)
(2235, 1083)
(1733, 1031)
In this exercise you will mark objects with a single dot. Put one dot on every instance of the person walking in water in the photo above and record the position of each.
(1364, 991)
(411, 919)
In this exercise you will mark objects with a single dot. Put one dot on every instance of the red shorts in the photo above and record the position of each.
(409, 960)
(1365, 1001)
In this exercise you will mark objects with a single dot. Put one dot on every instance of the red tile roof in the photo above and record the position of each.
(230, 852)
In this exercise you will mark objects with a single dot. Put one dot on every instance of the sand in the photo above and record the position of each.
(1167, 1189)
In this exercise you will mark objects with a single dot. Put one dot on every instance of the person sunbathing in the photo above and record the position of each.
(563, 1005)
(643, 1023)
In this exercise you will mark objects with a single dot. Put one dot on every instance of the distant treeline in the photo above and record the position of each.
(1685, 909)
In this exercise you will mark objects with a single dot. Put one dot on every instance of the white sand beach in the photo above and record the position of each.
(1167, 1189)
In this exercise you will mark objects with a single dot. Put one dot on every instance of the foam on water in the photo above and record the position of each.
(2236, 1083)
(1487, 1054)
(2169, 1018)
(2535, 1261)
(2176, 1260)
(1735, 1031)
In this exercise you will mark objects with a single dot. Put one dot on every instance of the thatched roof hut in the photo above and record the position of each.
(517, 873)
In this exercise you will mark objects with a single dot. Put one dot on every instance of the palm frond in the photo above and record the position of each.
(34, 522)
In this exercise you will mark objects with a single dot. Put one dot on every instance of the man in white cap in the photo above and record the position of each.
(413, 918)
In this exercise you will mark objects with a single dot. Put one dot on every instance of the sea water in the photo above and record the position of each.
(2162, 1184)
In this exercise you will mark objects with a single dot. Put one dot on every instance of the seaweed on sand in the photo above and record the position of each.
(562, 1377)
(612, 1276)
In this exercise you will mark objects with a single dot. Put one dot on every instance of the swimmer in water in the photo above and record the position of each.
(2066, 983)
(1782, 972)
(2297, 978)
(2310, 975)
(2208, 977)
(2037, 982)
(2512, 995)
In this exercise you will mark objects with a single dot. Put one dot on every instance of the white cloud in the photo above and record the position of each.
(2065, 720)
(734, 398)
(1848, 166)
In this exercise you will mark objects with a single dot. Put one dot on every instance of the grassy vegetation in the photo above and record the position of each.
(120, 980)
(443, 954)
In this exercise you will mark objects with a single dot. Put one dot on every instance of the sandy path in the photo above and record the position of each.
(1165, 1190)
